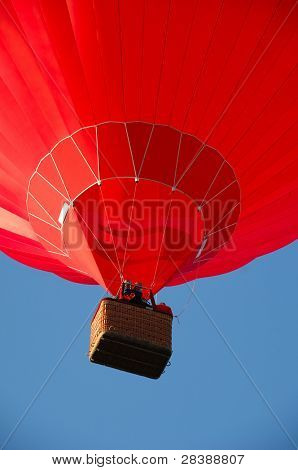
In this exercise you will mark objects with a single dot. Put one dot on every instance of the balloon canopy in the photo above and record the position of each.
(154, 141)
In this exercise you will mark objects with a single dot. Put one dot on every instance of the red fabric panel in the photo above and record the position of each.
(220, 76)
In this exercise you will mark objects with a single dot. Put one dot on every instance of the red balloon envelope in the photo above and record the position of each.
(154, 141)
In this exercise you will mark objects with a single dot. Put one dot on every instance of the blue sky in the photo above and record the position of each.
(204, 401)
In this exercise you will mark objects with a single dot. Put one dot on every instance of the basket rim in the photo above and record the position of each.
(122, 301)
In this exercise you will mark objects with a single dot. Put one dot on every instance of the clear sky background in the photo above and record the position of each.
(233, 382)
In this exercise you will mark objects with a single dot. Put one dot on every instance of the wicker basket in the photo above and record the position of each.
(131, 338)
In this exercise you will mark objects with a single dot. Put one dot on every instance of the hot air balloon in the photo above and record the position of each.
(147, 141)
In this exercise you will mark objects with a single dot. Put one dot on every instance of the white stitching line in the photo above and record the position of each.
(224, 216)
(131, 152)
(95, 238)
(31, 195)
(214, 179)
(52, 157)
(238, 91)
(221, 229)
(164, 46)
(198, 260)
(145, 152)
(119, 268)
(55, 253)
(220, 192)
(203, 65)
(84, 158)
(192, 162)
(121, 60)
(186, 49)
(80, 271)
(209, 234)
(44, 221)
(251, 71)
(202, 115)
(257, 117)
(41, 64)
(128, 233)
(177, 159)
(50, 243)
(111, 167)
(50, 184)
(97, 152)
(162, 242)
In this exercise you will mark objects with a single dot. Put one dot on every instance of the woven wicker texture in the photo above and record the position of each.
(131, 321)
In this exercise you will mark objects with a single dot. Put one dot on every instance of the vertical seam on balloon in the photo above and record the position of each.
(146, 150)
(256, 118)
(278, 173)
(82, 70)
(202, 115)
(198, 78)
(163, 58)
(162, 242)
(112, 169)
(99, 49)
(260, 39)
(121, 61)
(97, 152)
(84, 158)
(41, 63)
(111, 232)
(52, 156)
(214, 179)
(238, 91)
(186, 48)
(142, 59)
(260, 57)
(31, 97)
(130, 149)
(177, 160)
(129, 227)
(96, 239)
